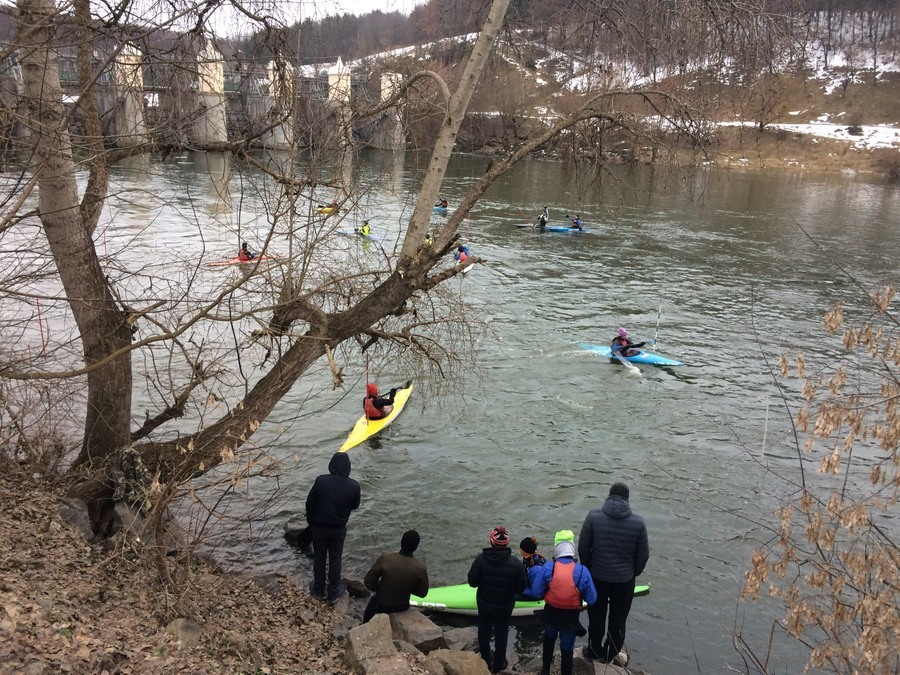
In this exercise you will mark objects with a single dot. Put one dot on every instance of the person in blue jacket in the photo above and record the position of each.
(532, 560)
(563, 585)
(462, 253)
(622, 344)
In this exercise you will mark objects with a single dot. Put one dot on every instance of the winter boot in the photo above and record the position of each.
(547, 655)
(566, 659)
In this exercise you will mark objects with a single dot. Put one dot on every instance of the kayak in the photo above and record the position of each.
(327, 210)
(440, 209)
(554, 228)
(365, 428)
(351, 233)
(460, 599)
(641, 357)
(238, 261)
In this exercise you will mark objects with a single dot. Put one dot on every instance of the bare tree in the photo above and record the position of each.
(312, 310)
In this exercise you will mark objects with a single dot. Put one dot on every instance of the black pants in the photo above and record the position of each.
(374, 607)
(328, 543)
(606, 642)
(499, 623)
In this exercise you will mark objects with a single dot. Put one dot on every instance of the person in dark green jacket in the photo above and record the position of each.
(394, 577)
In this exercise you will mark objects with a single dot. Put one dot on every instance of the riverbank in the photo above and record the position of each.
(72, 606)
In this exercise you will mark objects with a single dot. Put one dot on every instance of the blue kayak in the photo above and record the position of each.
(641, 357)
(440, 209)
(554, 228)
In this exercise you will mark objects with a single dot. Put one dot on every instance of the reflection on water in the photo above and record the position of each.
(713, 265)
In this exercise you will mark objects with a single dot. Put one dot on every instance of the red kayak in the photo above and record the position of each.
(237, 260)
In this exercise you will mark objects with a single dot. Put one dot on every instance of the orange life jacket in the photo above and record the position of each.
(561, 591)
(373, 413)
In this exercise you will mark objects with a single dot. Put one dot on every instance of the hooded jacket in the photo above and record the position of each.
(613, 542)
(333, 495)
(498, 578)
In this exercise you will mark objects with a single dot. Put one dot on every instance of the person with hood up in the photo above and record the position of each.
(395, 576)
(613, 545)
(374, 406)
(622, 344)
(498, 578)
(328, 505)
(563, 586)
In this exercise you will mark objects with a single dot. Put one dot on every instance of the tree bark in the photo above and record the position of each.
(101, 323)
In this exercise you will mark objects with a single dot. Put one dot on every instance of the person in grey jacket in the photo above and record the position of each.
(613, 545)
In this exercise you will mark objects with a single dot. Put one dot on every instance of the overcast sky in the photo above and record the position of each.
(326, 7)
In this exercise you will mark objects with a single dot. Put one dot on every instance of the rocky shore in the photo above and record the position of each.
(71, 605)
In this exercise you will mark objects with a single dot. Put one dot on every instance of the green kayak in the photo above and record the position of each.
(460, 599)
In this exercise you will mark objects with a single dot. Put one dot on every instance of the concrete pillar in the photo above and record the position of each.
(278, 105)
(209, 121)
(130, 123)
(389, 133)
(339, 99)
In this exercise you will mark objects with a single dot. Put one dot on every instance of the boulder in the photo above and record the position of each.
(414, 627)
(463, 639)
(75, 512)
(187, 633)
(370, 642)
(395, 665)
(459, 663)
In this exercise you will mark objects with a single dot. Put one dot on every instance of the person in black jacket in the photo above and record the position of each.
(613, 545)
(329, 503)
(499, 578)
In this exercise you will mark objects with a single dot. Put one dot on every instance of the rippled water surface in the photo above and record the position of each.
(543, 428)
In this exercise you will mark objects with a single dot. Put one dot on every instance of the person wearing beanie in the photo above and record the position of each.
(532, 560)
(498, 578)
(394, 577)
(564, 585)
(614, 546)
(328, 505)
(563, 535)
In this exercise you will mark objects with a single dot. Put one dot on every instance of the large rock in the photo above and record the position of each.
(369, 642)
(395, 665)
(459, 663)
(75, 511)
(462, 639)
(414, 627)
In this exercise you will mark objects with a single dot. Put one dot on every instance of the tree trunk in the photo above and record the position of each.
(101, 323)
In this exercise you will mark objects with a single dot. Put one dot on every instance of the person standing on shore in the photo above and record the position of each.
(328, 505)
(613, 545)
(563, 585)
(498, 578)
(395, 576)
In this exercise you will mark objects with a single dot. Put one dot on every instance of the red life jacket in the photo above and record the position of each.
(373, 413)
(561, 591)
(462, 256)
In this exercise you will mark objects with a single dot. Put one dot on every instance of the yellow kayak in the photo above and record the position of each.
(365, 428)
(326, 210)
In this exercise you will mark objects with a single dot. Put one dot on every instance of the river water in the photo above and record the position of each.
(713, 264)
(542, 428)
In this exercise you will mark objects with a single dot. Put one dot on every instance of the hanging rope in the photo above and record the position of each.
(41, 327)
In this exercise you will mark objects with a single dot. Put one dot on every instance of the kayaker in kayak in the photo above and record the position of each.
(429, 240)
(364, 229)
(544, 218)
(623, 346)
(441, 203)
(576, 221)
(376, 407)
(246, 253)
(462, 253)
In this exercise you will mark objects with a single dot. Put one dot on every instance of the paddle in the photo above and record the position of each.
(633, 369)
(533, 223)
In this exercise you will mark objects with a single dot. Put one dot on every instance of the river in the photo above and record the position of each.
(712, 263)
